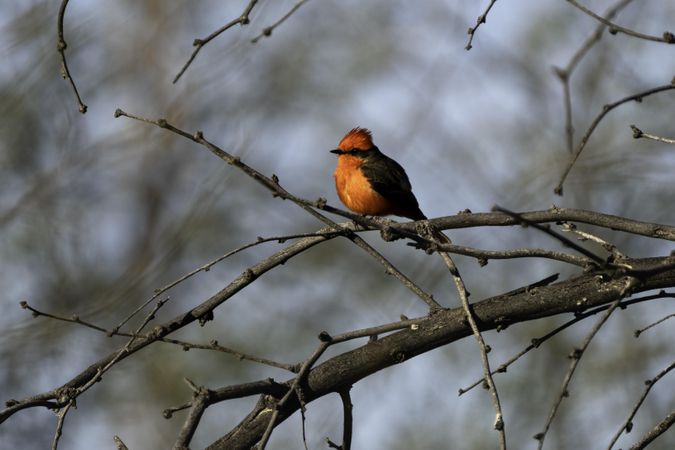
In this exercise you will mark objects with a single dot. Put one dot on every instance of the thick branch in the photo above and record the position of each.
(499, 219)
(446, 326)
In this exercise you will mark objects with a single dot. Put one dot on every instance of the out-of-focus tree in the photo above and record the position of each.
(96, 213)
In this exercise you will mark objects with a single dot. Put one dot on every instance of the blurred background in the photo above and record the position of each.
(97, 212)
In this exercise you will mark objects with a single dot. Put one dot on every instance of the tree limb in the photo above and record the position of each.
(443, 327)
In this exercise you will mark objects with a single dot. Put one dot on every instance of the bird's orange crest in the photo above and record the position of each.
(357, 138)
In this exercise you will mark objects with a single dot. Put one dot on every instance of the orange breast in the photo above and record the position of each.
(354, 189)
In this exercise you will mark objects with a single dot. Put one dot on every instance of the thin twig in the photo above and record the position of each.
(484, 255)
(306, 366)
(213, 345)
(565, 74)
(242, 20)
(586, 236)
(605, 109)
(628, 424)
(595, 36)
(637, 333)
(206, 267)
(655, 432)
(80, 390)
(463, 296)
(547, 229)
(59, 424)
(303, 417)
(575, 356)
(638, 133)
(439, 237)
(347, 418)
(61, 48)
(536, 342)
(667, 36)
(567, 105)
(73, 319)
(479, 21)
(267, 31)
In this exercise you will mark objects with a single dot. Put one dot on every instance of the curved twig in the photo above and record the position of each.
(667, 36)
(61, 48)
(243, 19)
(206, 267)
(628, 424)
(605, 109)
(565, 74)
(637, 333)
(267, 31)
(213, 345)
(575, 356)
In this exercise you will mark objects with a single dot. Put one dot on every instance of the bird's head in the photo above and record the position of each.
(357, 140)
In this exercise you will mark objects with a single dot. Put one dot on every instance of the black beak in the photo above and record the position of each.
(337, 151)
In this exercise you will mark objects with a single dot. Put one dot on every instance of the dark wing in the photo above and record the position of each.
(389, 179)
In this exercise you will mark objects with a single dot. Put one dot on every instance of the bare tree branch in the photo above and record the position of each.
(628, 424)
(206, 267)
(547, 229)
(243, 19)
(637, 333)
(667, 36)
(536, 342)
(213, 345)
(439, 329)
(61, 47)
(202, 312)
(565, 74)
(638, 133)
(479, 21)
(267, 31)
(655, 432)
(475, 330)
(605, 109)
(576, 356)
(201, 397)
(59, 423)
(555, 214)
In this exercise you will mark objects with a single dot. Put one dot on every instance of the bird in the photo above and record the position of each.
(371, 183)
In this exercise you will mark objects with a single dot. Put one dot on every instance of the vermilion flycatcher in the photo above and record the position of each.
(369, 182)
